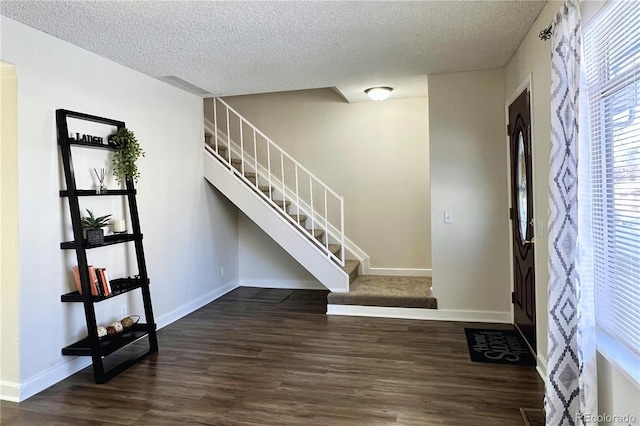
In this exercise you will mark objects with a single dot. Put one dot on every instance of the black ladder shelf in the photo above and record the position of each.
(93, 346)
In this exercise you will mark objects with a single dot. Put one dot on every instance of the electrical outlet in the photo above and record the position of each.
(448, 217)
(222, 271)
(123, 311)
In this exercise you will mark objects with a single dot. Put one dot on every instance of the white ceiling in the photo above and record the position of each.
(236, 48)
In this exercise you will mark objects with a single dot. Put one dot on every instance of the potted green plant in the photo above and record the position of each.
(126, 155)
(93, 227)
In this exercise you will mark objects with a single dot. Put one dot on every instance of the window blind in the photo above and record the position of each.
(612, 59)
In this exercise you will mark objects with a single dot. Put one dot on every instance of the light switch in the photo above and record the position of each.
(448, 217)
(539, 229)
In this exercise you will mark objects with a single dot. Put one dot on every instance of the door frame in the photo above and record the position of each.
(538, 233)
(11, 389)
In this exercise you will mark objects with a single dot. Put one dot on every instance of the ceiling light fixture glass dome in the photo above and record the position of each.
(378, 93)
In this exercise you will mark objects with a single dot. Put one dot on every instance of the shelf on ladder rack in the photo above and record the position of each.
(92, 345)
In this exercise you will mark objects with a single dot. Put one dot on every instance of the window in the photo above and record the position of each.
(612, 59)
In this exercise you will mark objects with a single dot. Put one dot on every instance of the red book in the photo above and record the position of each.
(92, 280)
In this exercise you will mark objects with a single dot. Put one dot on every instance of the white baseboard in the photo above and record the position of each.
(186, 309)
(291, 284)
(398, 272)
(541, 367)
(9, 391)
(17, 392)
(420, 314)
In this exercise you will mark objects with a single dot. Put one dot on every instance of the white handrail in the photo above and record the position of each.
(316, 218)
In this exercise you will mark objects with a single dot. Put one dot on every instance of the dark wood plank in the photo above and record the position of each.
(246, 362)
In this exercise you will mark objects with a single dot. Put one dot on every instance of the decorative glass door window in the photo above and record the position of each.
(522, 189)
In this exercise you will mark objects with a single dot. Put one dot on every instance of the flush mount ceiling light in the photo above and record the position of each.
(378, 93)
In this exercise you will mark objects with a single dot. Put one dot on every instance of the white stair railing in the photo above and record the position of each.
(287, 179)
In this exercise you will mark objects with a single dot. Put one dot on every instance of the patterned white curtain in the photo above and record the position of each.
(571, 391)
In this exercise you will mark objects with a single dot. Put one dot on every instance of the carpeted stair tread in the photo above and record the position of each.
(350, 265)
(279, 203)
(210, 140)
(351, 268)
(374, 290)
(302, 217)
(317, 233)
(222, 150)
(335, 249)
(237, 164)
(261, 188)
(212, 144)
(251, 177)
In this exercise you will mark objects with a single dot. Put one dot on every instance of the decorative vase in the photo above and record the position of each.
(95, 237)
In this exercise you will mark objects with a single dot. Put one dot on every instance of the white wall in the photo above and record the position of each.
(189, 229)
(470, 256)
(376, 154)
(10, 289)
(617, 395)
(263, 263)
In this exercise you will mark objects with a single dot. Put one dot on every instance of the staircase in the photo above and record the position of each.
(297, 210)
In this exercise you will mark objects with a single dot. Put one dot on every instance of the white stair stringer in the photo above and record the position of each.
(325, 270)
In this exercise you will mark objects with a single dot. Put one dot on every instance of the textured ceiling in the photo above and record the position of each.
(236, 48)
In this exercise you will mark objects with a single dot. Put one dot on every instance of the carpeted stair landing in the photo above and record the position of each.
(376, 290)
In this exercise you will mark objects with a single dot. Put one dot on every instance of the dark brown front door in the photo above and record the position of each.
(524, 294)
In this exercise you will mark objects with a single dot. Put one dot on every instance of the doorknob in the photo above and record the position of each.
(531, 241)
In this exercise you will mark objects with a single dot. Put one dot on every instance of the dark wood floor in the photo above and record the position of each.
(251, 358)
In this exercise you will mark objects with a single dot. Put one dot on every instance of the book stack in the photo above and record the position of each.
(98, 279)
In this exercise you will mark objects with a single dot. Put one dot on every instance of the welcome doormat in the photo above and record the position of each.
(498, 347)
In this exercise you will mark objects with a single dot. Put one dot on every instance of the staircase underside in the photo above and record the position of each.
(374, 290)
(275, 224)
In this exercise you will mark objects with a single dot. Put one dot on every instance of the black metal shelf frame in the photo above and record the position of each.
(108, 241)
(92, 345)
(91, 144)
(93, 193)
(131, 284)
(107, 346)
